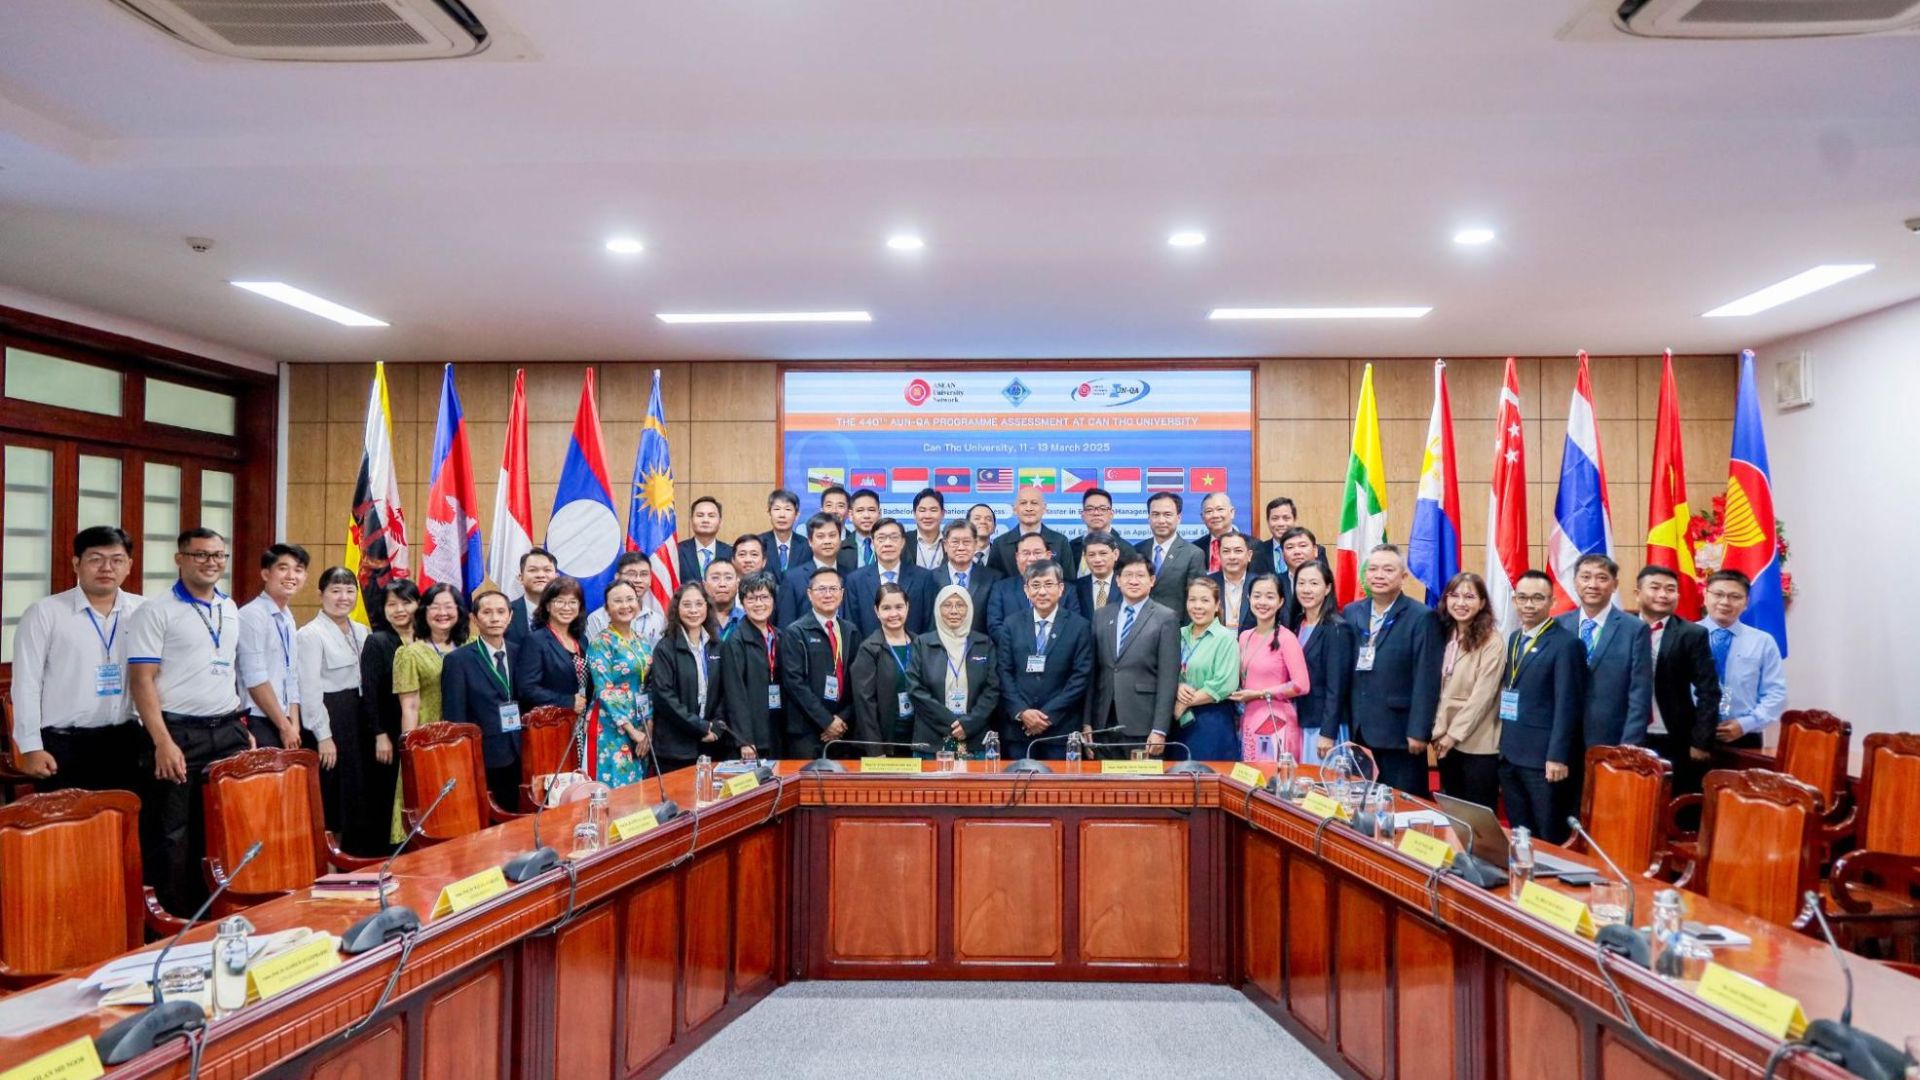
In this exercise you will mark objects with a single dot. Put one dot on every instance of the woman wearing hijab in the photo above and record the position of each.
(952, 676)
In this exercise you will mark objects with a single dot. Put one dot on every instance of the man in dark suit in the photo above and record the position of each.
(823, 539)
(963, 570)
(1686, 688)
(814, 655)
(1030, 512)
(1619, 660)
(1236, 608)
(1396, 676)
(1136, 662)
(1542, 702)
(1216, 512)
(889, 565)
(1046, 657)
(1096, 516)
(863, 513)
(476, 687)
(703, 547)
(1097, 589)
(1008, 599)
(537, 568)
(1173, 560)
(1282, 518)
(783, 548)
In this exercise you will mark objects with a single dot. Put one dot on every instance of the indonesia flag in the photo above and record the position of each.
(1582, 520)
(584, 532)
(1507, 508)
(1433, 547)
(512, 500)
(452, 551)
(651, 522)
(909, 481)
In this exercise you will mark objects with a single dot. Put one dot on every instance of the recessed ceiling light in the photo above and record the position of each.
(1319, 313)
(625, 245)
(905, 242)
(766, 317)
(1793, 288)
(1473, 237)
(1187, 238)
(306, 301)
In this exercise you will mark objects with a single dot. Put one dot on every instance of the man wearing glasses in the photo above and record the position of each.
(1543, 694)
(815, 653)
(72, 719)
(1753, 685)
(182, 652)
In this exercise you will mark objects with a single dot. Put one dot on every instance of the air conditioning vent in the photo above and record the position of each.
(1721, 19)
(319, 29)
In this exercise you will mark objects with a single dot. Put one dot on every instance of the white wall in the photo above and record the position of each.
(1846, 481)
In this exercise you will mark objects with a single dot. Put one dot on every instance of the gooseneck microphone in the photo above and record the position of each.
(390, 922)
(666, 809)
(1621, 939)
(1470, 867)
(761, 768)
(1030, 764)
(1839, 1041)
(823, 763)
(531, 864)
(163, 1019)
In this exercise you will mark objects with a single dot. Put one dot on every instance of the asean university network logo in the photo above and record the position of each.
(1016, 392)
(918, 391)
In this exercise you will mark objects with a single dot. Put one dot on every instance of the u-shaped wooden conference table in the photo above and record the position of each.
(1354, 948)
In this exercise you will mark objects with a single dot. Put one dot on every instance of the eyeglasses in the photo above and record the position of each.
(205, 557)
(1531, 598)
(1722, 595)
(824, 590)
(96, 561)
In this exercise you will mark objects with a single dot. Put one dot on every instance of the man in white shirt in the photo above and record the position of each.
(73, 720)
(633, 568)
(266, 657)
(1236, 553)
(181, 652)
(1753, 685)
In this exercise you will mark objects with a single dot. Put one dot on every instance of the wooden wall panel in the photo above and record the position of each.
(882, 890)
(377, 1055)
(1260, 875)
(1309, 923)
(1542, 1038)
(1008, 889)
(461, 1031)
(1133, 892)
(583, 995)
(757, 899)
(1360, 958)
(650, 967)
(1423, 976)
(704, 924)
(1620, 1061)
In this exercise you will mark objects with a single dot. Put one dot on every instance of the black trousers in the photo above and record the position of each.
(1677, 750)
(1473, 777)
(801, 745)
(266, 734)
(118, 758)
(1402, 769)
(1530, 802)
(179, 811)
(503, 783)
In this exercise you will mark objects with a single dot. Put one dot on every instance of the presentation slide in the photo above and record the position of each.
(976, 435)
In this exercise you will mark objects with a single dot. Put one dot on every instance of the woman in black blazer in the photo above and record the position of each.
(1330, 647)
(879, 673)
(749, 678)
(550, 667)
(390, 612)
(685, 682)
(953, 680)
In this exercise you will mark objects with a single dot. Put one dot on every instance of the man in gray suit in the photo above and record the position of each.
(1619, 657)
(1136, 646)
(1173, 560)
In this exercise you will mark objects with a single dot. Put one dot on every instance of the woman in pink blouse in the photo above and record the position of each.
(1272, 673)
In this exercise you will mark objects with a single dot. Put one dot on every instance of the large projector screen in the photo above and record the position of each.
(978, 434)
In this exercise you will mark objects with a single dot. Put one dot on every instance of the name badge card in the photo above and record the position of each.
(1509, 705)
(76, 1060)
(1364, 661)
(634, 824)
(831, 691)
(1149, 767)
(510, 717)
(1560, 910)
(1322, 805)
(1036, 665)
(107, 681)
(904, 704)
(741, 783)
(1248, 775)
(469, 891)
(221, 667)
(891, 765)
(1755, 1002)
(773, 696)
(1431, 852)
(957, 701)
(293, 967)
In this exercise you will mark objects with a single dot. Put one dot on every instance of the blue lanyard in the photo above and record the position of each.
(286, 640)
(106, 639)
(1375, 635)
(896, 651)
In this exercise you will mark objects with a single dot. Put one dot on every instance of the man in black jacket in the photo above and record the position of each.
(537, 568)
(476, 687)
(1030, 512)
(1045, 654)
(814, 655)
(704, 547)
(1396, 675)
(1543, 694)
(964, 570)
(1686, 687)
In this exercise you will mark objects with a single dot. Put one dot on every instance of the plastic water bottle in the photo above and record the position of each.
(1073, 747)
(990, 750)
(703, 779)
(230, 963)
(1519, 861)
(1284, 770)
(1383, 814)
(1669, 960)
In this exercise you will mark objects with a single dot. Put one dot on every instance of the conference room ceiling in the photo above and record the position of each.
(763, 152)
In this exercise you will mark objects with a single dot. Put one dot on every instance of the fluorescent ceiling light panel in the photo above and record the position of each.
(306, 301)
(1319, 313)
(1793, 288)
(1471, 237)
(905, 242)
(765, 317)
(625, 245)
(1187, 238)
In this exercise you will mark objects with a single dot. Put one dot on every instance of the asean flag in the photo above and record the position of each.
(1748, 527)
(584, 532)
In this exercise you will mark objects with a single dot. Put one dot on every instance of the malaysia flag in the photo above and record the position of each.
(1208, 480)
(907, 481)
(1073, 481)
(1166, 478)
(1123, 481)
(993, 481)
(951, 481)
(872, 478)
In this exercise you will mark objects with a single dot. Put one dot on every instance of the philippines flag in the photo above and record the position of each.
(1074, 481)
(650, 517)
(873, 478)
(1123, 481)
(1582, 519)
(1433, 547)
(951, 481)
(452, 551)
(1749, 529)
(1166, 478)
(512, 500)
(1507, 508)
(909, 481)
(584, 531)
(993, 481)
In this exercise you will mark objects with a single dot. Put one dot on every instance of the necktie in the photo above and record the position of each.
(833, 641)
(1213, 556)
(1099, 595)
(1587, 627)
(960, 579)
(1721, 641)
(783, 556)
(889, 575)
(1040, 636)
(1126, 627)
(500, 663)
(866, 551)
(706, 560)
(1159, 556)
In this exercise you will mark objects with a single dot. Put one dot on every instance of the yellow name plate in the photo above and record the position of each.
(293, 967)
(74, 1061)
(1149, 767)
(641, 821)
(1560, 910)
(741, 784)
(1248, 775)
(1421, 848)
(467, 892)
(1755, 1002)
(1322, 805)
(901, 765)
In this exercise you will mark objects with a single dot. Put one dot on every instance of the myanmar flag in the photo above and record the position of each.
(1667, 510)
(1363, 514)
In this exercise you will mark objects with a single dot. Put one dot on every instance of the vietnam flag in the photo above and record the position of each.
(1207, 480)
(1667, 511)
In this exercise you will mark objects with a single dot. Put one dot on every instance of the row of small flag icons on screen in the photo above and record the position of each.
(1003, 481)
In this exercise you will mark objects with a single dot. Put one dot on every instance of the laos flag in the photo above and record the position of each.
(584, 532)
(1749, 529)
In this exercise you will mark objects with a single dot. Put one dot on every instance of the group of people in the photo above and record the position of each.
(855, 628)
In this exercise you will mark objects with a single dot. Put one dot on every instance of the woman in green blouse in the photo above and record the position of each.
(1209, 674)
(439, 627)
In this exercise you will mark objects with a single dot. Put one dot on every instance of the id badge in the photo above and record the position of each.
(831, 691)
(106, 681)
(221, 668)
(510, 717)
(957, 701)
(773, 697)
(905, 705)
(1036, 665)
(1509, 704)
(1364, 661)
(1264, 748)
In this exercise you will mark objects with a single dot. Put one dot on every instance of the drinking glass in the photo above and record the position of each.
(1608, 901)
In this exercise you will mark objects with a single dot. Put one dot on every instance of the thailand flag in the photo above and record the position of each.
(584, 532)
(1166, 478)
(452, 552)
(651, 522)
(1433, 547)
(1507, 507)
(1582, 519)
(908, 481)
(1748, 528)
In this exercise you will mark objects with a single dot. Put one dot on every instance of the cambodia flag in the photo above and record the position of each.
(1433, 548)
(1582, 519)
(452, 552)
(651, 523)
(1749, 529)
(584, 532)
(869, 478)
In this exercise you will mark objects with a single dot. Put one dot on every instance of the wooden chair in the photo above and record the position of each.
(1814, 746)
(1623, 803)
(14, 782)
(273, 797)
(1759, 847)
(70, 892)
(1874, 891)
(545, 736)
(431, 755)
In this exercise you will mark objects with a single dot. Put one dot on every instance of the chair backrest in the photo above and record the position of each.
(545, 734)
(432, 754)
(272, 797)
(1623, 803)
(1813, 749)
(1759, 842)
(70, 892)
(1890, 793)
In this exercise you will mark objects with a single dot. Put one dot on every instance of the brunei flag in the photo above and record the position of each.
(1749, 529)
(376, 526)
(1433, 549)
(1667, 512)
(1363, 513)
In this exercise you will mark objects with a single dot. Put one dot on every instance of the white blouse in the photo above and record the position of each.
(328, 663)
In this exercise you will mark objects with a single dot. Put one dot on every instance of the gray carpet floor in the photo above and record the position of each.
(1012, 1030)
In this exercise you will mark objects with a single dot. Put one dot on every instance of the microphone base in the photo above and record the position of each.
(1028, 765)
(764, 774)
(1626, 942)
(665, 810)
(377, 929)
(1476, 872)
(1856, 1051)
(531, 864)
(823, 765)
(147, 1029)
(1190, 768)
